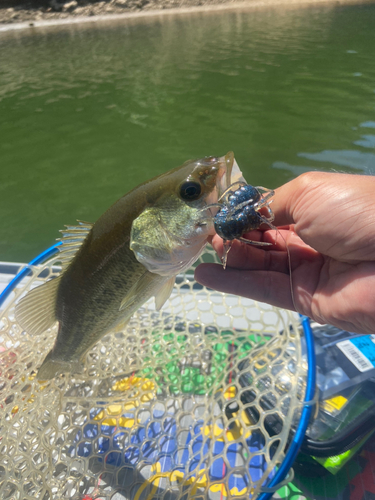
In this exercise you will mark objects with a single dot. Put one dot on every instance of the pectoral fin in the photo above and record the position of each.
(164, 294)
(135, 296)
(144, 288)
(36, 312)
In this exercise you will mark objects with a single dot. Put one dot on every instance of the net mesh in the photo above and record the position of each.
(193, 402)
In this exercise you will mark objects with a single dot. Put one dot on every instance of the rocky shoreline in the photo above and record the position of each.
(28, 11)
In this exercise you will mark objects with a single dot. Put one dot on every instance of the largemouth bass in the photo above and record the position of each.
(133, 252)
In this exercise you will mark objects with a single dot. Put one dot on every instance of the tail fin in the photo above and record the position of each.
(52, 367)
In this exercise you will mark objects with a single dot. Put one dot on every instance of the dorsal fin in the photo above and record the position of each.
(72, 239)
(37, 310)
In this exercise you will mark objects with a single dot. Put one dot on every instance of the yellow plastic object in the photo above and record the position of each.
(333, 404)
(175, 405)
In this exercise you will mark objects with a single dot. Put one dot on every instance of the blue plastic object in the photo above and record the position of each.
(26, 270)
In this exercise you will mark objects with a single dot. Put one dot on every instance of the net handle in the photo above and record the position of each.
(287, 480)
(25, 271)
(299, 435)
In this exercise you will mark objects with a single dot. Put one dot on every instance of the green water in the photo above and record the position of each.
(87, 113)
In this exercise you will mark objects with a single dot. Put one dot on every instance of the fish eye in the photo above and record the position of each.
(190, 190)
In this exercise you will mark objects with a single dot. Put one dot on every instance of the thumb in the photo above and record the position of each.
(291, 195)
(293, 200)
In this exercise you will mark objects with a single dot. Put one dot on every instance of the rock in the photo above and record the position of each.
(68, 7)
(80, 11)
(63, 6)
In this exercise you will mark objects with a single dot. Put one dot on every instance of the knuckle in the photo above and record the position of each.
(307, 180)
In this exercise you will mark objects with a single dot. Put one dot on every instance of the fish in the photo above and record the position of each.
(131, 253)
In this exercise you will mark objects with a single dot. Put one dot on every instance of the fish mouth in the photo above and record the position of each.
(231, 173)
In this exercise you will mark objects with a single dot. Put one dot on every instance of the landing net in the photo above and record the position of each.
(192, 402)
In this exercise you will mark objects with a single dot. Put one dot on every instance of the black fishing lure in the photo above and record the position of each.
(240, 213)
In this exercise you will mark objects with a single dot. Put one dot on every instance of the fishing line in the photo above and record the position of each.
(278, 232)
(232, 214)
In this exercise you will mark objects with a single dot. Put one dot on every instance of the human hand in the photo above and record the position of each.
(327, 221)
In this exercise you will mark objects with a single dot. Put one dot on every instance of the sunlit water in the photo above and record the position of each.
(87, 113)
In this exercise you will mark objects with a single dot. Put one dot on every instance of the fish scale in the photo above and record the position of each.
(133, 252)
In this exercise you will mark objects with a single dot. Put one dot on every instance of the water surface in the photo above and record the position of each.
(88, 112)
